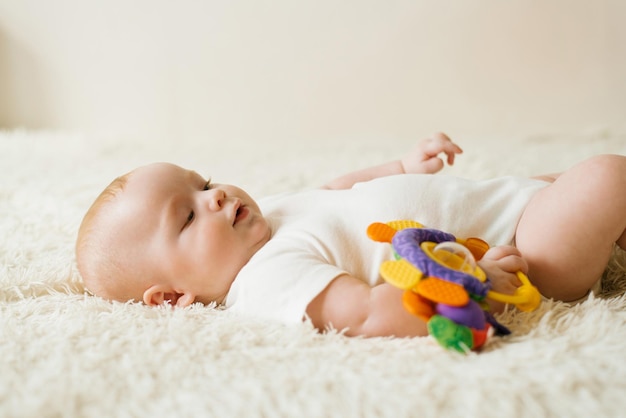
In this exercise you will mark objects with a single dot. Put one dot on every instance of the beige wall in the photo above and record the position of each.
(313, 69)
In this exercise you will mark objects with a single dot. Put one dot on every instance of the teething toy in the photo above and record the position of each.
(443, 284)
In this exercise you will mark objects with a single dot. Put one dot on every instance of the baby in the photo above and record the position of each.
(164, 234)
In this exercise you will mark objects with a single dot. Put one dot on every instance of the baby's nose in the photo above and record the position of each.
(216, 199)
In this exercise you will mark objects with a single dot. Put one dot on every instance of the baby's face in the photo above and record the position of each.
(193, 237)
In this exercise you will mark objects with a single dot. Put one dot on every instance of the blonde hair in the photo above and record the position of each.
(95, 256)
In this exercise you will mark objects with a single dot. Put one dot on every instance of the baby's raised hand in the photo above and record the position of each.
(424, 158)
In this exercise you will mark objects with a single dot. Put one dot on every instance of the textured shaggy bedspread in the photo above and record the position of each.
(63, 353)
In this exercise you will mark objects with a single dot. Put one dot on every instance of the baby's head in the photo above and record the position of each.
(163, 233)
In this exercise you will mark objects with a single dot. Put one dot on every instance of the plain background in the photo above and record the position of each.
(313, 70)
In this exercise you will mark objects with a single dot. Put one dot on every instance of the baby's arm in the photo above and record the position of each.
(422, 159)
(351, 304)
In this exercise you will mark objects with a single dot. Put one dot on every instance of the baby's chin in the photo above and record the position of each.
(265, 234)
(258, 231)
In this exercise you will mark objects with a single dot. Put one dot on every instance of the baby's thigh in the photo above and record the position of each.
(568, 229)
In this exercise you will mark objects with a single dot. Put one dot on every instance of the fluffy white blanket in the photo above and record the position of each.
(63, 353)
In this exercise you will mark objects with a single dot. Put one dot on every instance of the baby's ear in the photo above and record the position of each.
(185, 299)
(157, 295)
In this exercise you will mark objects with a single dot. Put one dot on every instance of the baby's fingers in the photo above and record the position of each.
(507, 258)
(424, 157)
(501, 251)
(513, 264)
(439, 143)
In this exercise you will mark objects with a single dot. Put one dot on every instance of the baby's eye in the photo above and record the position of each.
(189, 219)
(207, 186)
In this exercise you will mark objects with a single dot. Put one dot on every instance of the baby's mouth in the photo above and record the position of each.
(240, 214)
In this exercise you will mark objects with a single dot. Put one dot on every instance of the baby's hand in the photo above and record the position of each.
(501, 265)
(423, 159)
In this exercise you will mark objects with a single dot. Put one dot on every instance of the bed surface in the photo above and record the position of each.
(64, 353)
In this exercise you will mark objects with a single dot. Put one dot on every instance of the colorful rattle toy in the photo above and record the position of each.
(444, 286)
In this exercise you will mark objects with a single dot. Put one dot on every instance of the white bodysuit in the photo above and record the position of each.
(318, 235)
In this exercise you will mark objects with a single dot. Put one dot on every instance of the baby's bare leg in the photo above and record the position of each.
(568, 230)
